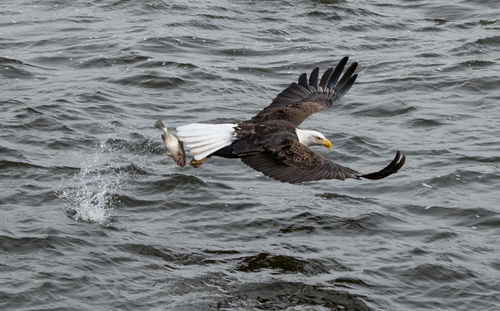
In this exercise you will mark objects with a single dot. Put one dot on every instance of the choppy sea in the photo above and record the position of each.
(94, 216)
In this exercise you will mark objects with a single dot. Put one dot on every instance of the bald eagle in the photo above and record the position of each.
(271, 143)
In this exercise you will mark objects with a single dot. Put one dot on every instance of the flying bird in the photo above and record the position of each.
(271, 141)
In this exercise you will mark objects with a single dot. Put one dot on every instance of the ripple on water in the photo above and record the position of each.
(155, 80)
(15, 69)
(282, 295)
(281, 264)
(123, 59)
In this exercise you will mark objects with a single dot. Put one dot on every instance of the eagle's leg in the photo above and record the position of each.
(197, 163)
(226, 152)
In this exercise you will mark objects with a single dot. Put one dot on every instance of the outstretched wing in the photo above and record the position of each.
(300, 100)
(294, 163)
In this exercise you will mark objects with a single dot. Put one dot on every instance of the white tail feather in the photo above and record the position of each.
(203, 152)
(208, 147)
(205, 139)
(201, 143)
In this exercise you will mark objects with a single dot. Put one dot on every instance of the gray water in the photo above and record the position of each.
(94, 216)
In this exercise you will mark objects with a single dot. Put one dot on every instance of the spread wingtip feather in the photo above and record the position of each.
(398, 162)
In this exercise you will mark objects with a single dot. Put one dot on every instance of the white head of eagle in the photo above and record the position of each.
(312, 138)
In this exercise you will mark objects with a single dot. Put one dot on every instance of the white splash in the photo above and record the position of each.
(89, 194)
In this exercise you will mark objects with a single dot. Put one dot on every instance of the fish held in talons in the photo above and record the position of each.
(175, 147)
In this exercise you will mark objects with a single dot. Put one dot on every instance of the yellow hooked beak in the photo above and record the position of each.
(327, 143)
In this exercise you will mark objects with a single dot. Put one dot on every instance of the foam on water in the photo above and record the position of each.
(90, 192)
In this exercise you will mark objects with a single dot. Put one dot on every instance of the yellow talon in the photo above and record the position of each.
(197, 163)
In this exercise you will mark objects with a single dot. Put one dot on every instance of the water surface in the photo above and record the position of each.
(94, 216)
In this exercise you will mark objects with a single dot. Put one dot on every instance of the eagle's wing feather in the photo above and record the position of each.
(391, 168)
(300, 100)
(293, 162)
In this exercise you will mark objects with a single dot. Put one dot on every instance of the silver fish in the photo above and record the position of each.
(175, 147)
